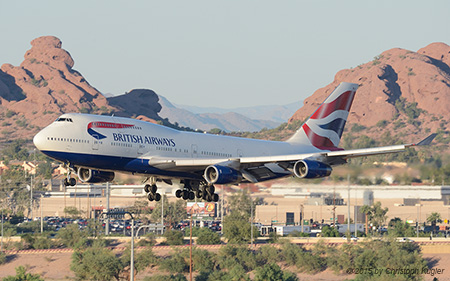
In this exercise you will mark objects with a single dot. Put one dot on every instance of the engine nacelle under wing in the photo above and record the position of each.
(222, 175)
(94, 176)
(311, 169)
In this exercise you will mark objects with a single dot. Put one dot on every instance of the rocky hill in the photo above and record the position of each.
(402, 92)
(44, 86)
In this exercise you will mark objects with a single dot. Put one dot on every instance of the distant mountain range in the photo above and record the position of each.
(248, 119)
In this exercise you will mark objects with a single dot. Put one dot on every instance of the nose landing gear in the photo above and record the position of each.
(69, 181)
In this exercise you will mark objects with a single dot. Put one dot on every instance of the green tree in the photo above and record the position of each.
(240, 202)
(174, 212)
(22, 275)
(45, 169)
(96, 263)
(328, 231)
(142, 259)
(206, 236)
(399, 228)
(237, 228)
(15, 151)
(272, 272)
(376, 215)
(71, 236)
(72, 212)
(174, 237)
(434, 218)
(176, 263)
(160, 277)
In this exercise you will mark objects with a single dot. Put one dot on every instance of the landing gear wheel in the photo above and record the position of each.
(198, 194)
(157, 196)
(204, 195)
(66, 182)
(153, 188)
(211, 189)
(150, 197)
(215, 197)
(191, 195)
(147, 188)
(179, 193)
(72, 182)
(185, 195)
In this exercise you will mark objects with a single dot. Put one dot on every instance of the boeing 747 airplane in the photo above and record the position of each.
(96, 146)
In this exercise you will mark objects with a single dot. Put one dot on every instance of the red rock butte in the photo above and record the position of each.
(393, 84)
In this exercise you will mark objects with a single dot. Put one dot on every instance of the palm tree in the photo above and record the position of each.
(434, 218)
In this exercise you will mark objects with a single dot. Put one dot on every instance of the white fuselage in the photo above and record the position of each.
(111, 143)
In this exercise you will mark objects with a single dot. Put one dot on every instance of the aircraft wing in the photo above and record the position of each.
(264, 167)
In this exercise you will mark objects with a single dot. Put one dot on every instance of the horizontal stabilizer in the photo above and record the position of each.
(427, 140)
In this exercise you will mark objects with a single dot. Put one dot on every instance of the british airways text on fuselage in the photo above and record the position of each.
(119, 137)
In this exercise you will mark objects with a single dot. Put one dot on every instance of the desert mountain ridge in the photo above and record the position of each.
(403, 93)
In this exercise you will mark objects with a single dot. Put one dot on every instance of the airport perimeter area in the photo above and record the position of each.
(282, 203)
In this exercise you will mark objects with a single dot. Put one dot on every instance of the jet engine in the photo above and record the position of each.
(94, 176)
(222, 175)
(311, 169)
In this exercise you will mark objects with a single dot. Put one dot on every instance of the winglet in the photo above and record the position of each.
(427, 140)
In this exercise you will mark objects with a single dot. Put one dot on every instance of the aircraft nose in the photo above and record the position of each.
(39, 140)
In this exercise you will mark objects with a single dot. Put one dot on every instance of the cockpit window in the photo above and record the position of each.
(62, 119)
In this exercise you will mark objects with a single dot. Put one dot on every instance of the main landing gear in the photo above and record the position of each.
(151, 189)
(194, 189)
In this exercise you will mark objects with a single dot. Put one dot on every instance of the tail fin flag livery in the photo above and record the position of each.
(324, 128)
(95, 147)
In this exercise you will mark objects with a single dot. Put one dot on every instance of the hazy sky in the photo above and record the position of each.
(221, 53)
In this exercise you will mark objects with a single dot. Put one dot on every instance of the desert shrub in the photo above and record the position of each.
(96, 263)
(159, 277)
(272, 272)
(206, 236)
(174, 237)
(176, 263)
(232, 255)
(21, 274)
(2, 258)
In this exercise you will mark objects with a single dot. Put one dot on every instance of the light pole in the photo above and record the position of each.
(42, 218)
(251, 221)
(31, 198)
(1, 244)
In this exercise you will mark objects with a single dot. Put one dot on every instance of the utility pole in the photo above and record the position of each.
(334, 207)
(221, 210)
(107, 209)
(1, 244)
(31, 198)
(132, 250)
(355, 213)
(42, 218)
(251, 222)
(348, 204)
(301, 216)
(190, 247)
(162, 210)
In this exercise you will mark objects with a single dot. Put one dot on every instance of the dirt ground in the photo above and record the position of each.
(55, 265)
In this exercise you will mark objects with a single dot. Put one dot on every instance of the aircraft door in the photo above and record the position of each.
(95, 142)
(194, 151)
(141, 149)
